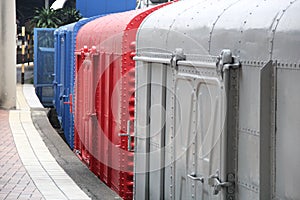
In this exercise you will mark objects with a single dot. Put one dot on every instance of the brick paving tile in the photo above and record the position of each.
(15, 183)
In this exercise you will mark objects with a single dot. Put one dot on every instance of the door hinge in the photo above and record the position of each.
(226, 61)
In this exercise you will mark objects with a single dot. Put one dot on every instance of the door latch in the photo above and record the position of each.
(129, 147)
(225, 61)
(176, 56)
(194, 177)
(215, 182)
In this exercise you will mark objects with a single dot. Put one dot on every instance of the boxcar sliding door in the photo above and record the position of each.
(199, 133)
(86, 125)
(186, 132)
(199, 116)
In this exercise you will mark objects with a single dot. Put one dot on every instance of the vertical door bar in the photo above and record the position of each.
(267, 101)
(142, 130)
(231, 82)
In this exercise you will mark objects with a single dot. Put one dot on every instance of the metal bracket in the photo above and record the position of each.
(215, 182)
(129, 147)
(176, 56)
(70, 102)
(226, 61)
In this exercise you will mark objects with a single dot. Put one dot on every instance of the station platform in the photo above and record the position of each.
(35, 163)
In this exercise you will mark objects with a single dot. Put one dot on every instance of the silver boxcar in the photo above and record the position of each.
(217, 101)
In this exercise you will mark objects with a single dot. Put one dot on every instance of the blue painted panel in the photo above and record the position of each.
(44, 64)
(63, 53)
(89, 8)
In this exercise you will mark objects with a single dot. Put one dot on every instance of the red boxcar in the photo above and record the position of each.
(104, 103)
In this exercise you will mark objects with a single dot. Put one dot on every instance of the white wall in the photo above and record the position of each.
(7, 54)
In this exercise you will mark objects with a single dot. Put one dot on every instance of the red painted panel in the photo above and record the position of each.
(104, 98)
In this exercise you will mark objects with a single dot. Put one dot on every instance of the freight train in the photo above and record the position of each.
(193, 99)
(104, 106)
(64, 75)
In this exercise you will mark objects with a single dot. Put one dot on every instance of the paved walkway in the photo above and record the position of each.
(27, 169)
(15, 183)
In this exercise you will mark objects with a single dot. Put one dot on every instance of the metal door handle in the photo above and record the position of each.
(195, 178)
(214, 181)
(218, 185)
(222, 184)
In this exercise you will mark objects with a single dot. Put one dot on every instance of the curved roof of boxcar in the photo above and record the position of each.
(71, 27)
(107, 32)
(257, 30)
(62, 29)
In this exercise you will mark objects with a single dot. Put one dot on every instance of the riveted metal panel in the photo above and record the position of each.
(69, 120)
(249, 132)
(157, 132)
(286, 37)
(57, 42)
(141, 157)
(199, 130)
(249, 104)
(203, 28)
(245, 192)
(63, 84)
(105, 141)
(256, 128)
(186, 22)
(169, 168)
(195, 132)
(63, 52)
(287, 134)
(249, 35)
(258, 32)
(184, 137)
(267, 128)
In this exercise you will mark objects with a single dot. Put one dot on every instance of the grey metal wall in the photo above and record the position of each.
(262, 141)
(287, 137)
(287, 160)
(7, 54)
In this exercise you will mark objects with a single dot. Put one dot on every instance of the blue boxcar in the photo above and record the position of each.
(44, 64)
(90, 8)
(62, 62)
(63, 84)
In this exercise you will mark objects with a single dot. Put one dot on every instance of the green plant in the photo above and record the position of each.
(46, 18)
(68, 15)
(49, 18)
